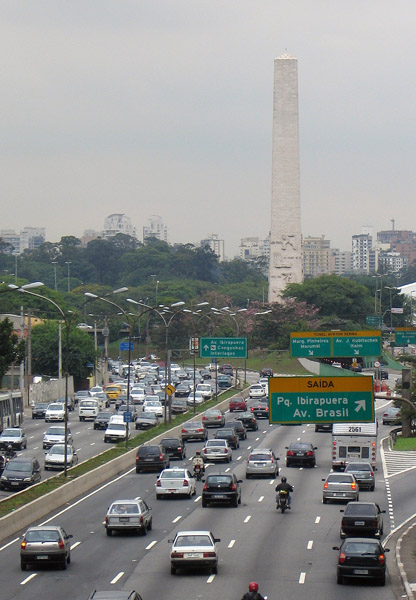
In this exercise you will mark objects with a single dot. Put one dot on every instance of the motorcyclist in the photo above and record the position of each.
(285, 486)
(198, 462)
(253, 592)
(10, 453)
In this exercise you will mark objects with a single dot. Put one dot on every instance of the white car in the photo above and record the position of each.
(137, 394)
(153, 406)
(56, 435)
(216, 450)
(97, 389)
(175, 481)
(55, 412)
(199, 399)
(256, 391)
(205, 390)
(116, 432)
(194, 550)
(55, 457)
(264, 381)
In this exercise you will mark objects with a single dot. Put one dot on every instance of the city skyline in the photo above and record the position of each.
(133, 110)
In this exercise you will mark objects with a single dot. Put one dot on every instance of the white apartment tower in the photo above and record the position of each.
(285, 238)
(155, 229)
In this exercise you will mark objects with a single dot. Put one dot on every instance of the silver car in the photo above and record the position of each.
(363, 473)
(45, 545)
(216, 450)
(340, 486)
(124, 515)
(55, 458)
(56, 435)
(262, 461)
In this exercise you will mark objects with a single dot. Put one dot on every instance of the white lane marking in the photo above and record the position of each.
(78, 449)
(31, 437)
(151, 545)
(77, 432)
(247, 519)
(260, 499)
(304, 431)
(239, 457)
(310, 544)
(197, 498)
(28, 579)
(9, 544)
(298, 440)
(265, 431)
(229, 469)
(249, 447)
(117, 577)
(210, 578)
(36, 448)
(271, 482)
(75, 545)
(257, 439)
(302, 578)
(92, 444)
(177, 519)
(231, 544)
(317, 519)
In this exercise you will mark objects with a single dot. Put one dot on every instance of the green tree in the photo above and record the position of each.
(45, 350)
(11, 348)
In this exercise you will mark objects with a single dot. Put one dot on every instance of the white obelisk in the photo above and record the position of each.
(285, 232)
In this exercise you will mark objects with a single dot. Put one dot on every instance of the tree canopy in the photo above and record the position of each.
(12, 350)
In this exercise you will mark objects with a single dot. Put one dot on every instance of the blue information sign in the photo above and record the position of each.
(125, 346)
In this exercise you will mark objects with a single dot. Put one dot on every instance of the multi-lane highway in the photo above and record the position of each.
(290, 555)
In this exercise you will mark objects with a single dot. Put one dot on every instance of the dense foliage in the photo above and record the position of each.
(12, 350)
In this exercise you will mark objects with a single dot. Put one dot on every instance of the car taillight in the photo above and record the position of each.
(325, 485)
(183, 430)
(374, 523)
(137, 458)
(290, 453)
(233, 487)
(106, 520)
(61, 544)
(176, 555)
(353, 485)
(371, 474)
(205, 450)
(343, 522)
(160, 456)
(272, 459)
(158, 483)
(179, 449)
(342, 557)
(23, 544)
(218, 417)
(205, 487)
(200, 430)
(309, 453)
(225, 450)
(382, 559)
(252, 409)
(209, 554)
(185, 483)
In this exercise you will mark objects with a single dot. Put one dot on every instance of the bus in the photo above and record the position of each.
(353, 442)
(11, 410)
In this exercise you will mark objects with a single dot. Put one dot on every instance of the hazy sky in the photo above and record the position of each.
(164, 107)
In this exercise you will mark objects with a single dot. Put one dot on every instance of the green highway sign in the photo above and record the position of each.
(374, 321)
(223, 348)
(304, 344)
(404, 337)
(321, 400)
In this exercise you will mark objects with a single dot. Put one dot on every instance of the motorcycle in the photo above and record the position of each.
(198, 472)
(282, 500)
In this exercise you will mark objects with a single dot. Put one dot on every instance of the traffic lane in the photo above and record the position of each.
(402, 504)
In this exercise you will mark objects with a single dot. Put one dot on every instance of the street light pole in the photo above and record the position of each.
(68, 262)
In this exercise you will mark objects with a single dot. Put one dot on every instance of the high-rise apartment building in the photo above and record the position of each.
(28, 239)
(285, 234)
(118, 223)
(340, 261)
(364, 257)
(155, 229)
(316, 253)
(253, 247)
(216, 245)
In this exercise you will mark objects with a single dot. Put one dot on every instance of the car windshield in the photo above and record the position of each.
(173, 474)
(118, 426)
(194, 425)
(215, 443)
(213, 479)
(49, 535)
(104, 415)
(120, 509)
(20, 467)
(360, 548)
(11, 433)
(153, 404)
(87, 403)
(339, 479)
(55, 407)
(226, 431)
(359, 467)
(300, 447)
(59, 450)
(56, 431)
(258, 456)
(360, 509)
(193, 540)
(150, 450)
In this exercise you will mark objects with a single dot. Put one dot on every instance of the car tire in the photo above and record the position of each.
(138, 471)
(230, 458)
(172, 570)
(144, 529)
(239, 499)
(204, 503)
(373, 487)
(214, 570)
(150, 525)
(68, 560)
(235, 502)
(158, 497)
(64, 565)
(324, 500)
(109, 531)
(382, 580)
(23, 565)
(248, 476)
(340, 579)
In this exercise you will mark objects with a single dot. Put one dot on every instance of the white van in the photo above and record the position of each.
(88, 409)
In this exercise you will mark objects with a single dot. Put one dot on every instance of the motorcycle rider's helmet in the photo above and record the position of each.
(283, 479)
(9, 448)
(198, 452)
(253, 586)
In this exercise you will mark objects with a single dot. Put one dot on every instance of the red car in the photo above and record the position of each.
(238, 404)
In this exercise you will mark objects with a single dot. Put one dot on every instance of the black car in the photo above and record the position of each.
(115, 595)
(102, 419)
(205, 374)
(224, 382)
(182, 390)
(248, 420)
(151, 458)
(261, 409)
(362, 519)
(39, 409)
(221, 488)
(361, 558)
(239, 427)
(229, 434)
(20, 473)
(300, 453)
(174, 447)
(266, 372)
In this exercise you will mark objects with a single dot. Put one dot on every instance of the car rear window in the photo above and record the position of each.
(360, 548)
(20, 467)
(360, 509)
(340, 479)
(173, 474)
(149, 450)
(193, 540)
(118, 509)
(359, 467)
(42, 536)
(259, 456)
(213, 479)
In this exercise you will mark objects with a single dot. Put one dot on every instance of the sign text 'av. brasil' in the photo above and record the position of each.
(304, 344)
(321, 399)
(223, 348)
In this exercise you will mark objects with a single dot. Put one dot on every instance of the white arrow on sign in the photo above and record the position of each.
(360, 405)
(206, 347)
(310, 352)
